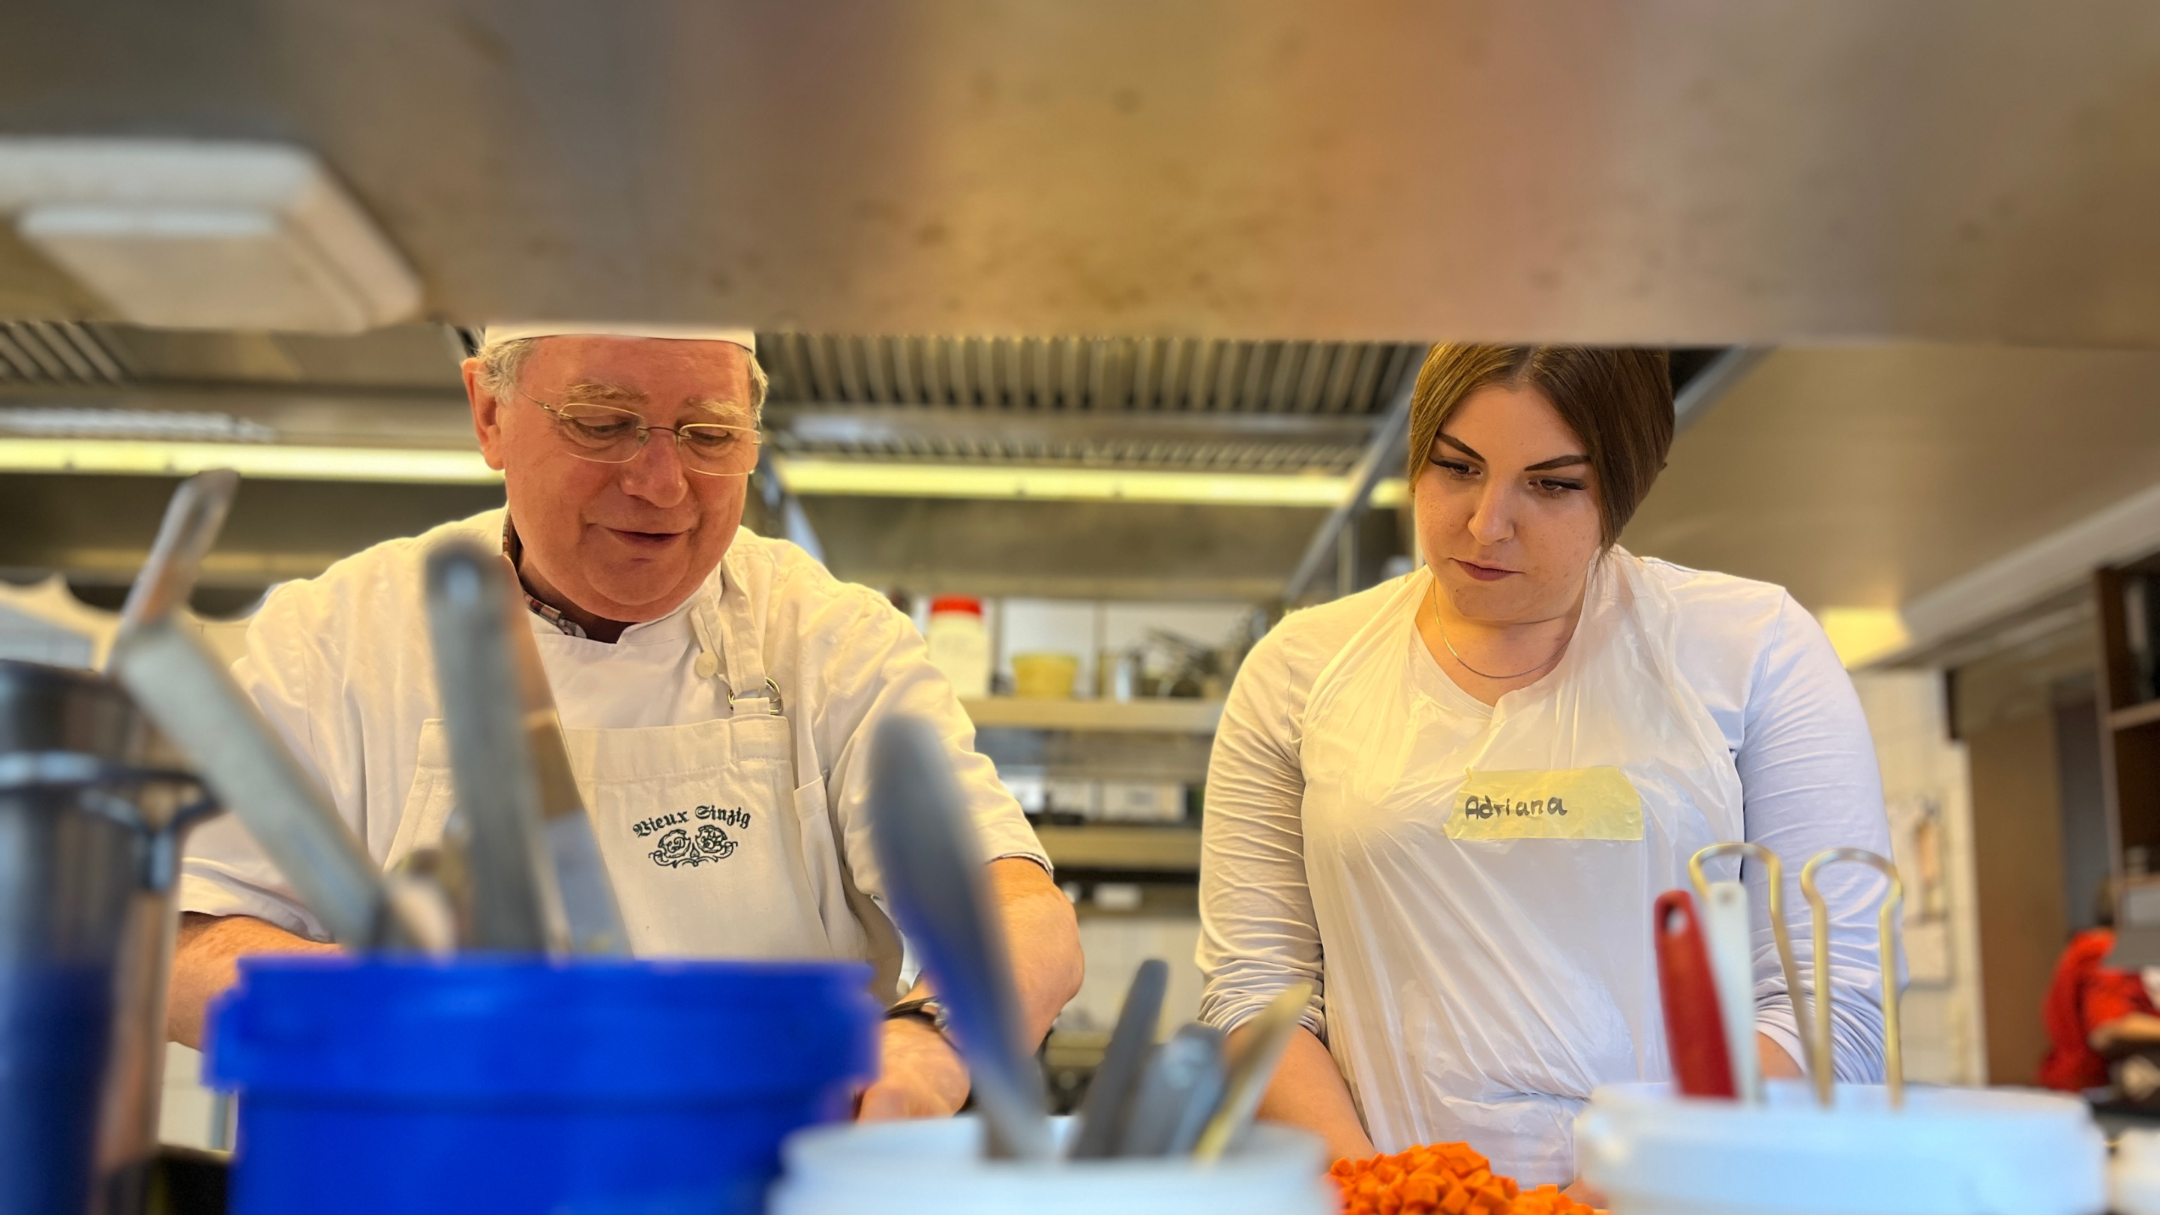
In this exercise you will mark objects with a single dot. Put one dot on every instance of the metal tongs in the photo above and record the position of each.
(1735, 966)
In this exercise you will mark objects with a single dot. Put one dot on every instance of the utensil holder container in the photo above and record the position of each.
(1949, 1151)
(505, 1084)
(939, 1166)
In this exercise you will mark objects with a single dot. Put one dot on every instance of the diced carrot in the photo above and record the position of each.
(1440, 1179)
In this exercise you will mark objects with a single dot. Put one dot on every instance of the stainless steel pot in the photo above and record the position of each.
(91, 824)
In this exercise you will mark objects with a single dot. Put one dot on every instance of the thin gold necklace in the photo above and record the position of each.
(1464, 663)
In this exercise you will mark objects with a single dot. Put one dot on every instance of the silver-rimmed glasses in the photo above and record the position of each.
(606, 434)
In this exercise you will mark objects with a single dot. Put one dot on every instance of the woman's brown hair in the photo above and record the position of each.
(1617, 401)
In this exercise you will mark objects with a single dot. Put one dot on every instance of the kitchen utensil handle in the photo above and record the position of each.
(1253, 1068)
(1109, 1098)
(193, 518)
(516, 904)
(1886, 928)
(926, 844)
(1780, 932)
(187, 691)
(591, 913)
(1694, 1027)
(1729, 938)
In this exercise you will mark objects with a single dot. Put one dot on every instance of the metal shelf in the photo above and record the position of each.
(2136, 715)
(1140, 849)
(1154, 716)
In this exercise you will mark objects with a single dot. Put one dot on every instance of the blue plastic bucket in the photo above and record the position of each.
(480, 1084)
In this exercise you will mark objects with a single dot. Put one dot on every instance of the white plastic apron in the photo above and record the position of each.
(714, 847)
(1479, 988)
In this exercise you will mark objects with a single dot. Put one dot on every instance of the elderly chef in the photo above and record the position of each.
(697, 667)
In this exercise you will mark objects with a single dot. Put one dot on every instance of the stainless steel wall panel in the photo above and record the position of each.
(1657, 171)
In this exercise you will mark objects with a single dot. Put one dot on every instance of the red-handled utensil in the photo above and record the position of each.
(1694, 1028)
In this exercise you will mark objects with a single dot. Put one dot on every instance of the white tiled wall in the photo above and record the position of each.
(1926, 787)
(1115, 946)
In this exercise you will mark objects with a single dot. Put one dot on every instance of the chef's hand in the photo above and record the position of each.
(920, 1075)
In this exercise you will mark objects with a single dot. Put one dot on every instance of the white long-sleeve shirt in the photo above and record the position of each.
(1764, 670)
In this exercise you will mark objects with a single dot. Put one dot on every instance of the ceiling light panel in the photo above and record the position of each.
(205, 235)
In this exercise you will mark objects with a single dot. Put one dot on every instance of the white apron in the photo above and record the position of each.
(716, 849)
(1483, 888)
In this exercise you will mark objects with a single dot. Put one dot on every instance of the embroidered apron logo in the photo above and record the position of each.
(679, 846)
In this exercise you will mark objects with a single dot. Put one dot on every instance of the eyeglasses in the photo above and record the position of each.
(607, 435)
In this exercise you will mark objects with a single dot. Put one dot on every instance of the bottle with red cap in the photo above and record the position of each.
(960, 644)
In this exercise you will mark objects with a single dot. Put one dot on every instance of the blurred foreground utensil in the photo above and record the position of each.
(934, 874)
(1252, 1066)
(427, 887)
(1180, 1090)
(193, 518)
(1886, 957)
(191, 696)
(1694, 1026)
(590, 911)
(1781, 933)
(1110, 1094)
(1729, 939)
(516, 904)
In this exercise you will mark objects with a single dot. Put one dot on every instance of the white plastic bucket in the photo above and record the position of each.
(1950, 1151)
(2136, 1174)
(937, 1165)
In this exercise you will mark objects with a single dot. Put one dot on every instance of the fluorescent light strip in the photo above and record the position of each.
(265, 461)
(812, 477)
(808, 477)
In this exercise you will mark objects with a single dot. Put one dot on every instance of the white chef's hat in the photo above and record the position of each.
(510, 331)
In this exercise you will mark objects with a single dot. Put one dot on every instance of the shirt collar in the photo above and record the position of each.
(513, 548)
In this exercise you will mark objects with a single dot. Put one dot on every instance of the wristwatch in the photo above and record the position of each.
(922, 1008)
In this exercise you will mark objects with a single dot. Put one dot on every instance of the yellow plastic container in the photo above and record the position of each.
(1047, 676)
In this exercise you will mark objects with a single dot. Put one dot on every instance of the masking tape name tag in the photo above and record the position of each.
(1570, 804)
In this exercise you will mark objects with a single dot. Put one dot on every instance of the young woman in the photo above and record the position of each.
(1449, 801)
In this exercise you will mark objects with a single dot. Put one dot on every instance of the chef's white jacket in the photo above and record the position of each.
(341, 666)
